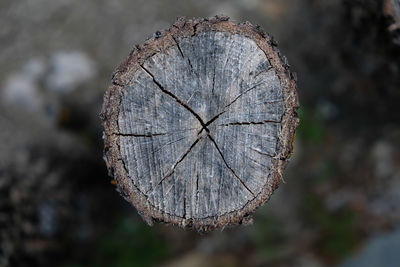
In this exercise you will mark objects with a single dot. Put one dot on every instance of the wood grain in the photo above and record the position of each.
(199, 123)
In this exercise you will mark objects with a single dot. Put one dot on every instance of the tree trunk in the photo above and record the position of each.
(199, 123)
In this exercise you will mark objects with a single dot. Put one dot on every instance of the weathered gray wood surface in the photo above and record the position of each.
(199, 123)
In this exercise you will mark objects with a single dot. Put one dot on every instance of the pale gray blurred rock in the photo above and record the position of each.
(382, 155)
(351, 151)
(386, 169)
(47, 220)
(387, 203)
(382, 250)
(34, 69)
(21, 91)
(69, 70)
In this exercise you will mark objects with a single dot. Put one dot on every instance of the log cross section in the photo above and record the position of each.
(199, 123)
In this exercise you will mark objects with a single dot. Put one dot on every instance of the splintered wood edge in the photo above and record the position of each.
(161, 41)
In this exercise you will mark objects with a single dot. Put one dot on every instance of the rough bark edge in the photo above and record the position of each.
(392, 11)
(161, 41)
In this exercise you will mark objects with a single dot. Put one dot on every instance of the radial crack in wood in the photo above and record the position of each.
(249, 122)
(227, 165)
(179, 161)
(199, 123)
(174, 97)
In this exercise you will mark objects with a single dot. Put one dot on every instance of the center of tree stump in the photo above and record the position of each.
(199, 123)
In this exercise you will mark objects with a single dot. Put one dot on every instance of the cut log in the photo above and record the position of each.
(199, 123)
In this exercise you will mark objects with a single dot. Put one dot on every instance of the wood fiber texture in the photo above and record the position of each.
(199, 123)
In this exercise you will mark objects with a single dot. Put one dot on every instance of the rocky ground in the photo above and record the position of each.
(340, 200)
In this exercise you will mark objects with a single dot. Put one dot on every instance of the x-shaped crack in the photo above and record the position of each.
(200, 135)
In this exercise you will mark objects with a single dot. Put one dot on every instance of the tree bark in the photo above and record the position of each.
(199, 123)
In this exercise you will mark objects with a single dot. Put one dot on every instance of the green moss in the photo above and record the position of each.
(311, 128)
(131, 244)
(325, 171)
(337, 230)
(270, 237)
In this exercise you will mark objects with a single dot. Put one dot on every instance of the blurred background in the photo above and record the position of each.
(339, 205)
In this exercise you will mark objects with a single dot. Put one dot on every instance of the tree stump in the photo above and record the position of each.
(199, 123)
